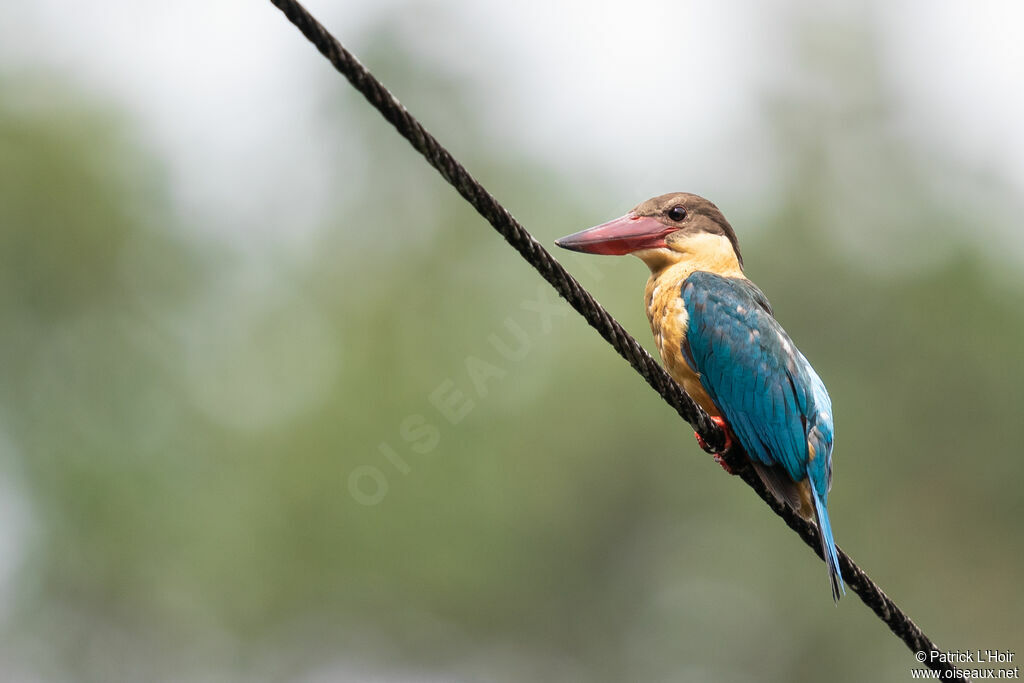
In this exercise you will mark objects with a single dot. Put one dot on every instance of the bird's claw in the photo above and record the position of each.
(725, 448)
(703, 444)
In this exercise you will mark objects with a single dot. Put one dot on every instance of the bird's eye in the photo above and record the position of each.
(677, 213)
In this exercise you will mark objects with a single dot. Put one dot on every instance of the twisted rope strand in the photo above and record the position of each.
(598, 318)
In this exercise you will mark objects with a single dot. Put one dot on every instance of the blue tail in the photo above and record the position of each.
(828, 546)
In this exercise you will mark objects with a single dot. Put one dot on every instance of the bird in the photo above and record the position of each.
(719, 340)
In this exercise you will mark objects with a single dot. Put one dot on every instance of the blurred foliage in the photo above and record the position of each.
(247, 470)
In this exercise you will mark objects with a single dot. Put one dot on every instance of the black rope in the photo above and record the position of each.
(595, 314)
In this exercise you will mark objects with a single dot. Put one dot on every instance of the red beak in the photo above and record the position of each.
(620, 236)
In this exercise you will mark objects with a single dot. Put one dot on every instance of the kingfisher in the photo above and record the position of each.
(719, 339)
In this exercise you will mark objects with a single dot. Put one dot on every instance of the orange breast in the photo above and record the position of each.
(667, 315)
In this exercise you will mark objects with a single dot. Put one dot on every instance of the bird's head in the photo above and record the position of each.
(666, 229)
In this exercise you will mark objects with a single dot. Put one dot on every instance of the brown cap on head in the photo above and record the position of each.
(690, 214)
(657, 223)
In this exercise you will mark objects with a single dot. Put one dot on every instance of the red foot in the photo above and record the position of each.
(728, 444)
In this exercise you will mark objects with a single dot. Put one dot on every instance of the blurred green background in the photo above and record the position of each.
(291, 411)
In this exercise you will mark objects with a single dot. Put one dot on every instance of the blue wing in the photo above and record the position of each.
(769, 394)
(764, 387)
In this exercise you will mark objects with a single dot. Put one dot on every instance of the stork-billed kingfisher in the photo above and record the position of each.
(720, 341)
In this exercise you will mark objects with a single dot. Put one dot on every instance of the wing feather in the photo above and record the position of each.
(764, 387)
